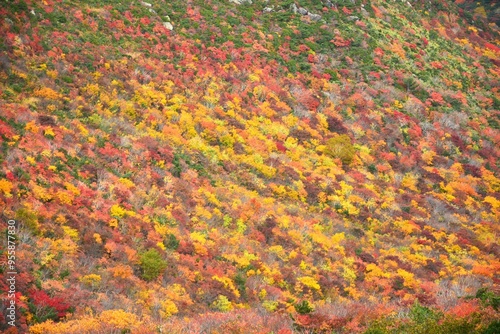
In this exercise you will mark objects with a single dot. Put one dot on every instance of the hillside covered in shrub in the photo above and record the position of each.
(252, 166)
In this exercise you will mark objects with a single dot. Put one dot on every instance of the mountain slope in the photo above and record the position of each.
(249, 167)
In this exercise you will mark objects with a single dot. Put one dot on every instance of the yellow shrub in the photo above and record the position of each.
(117, 211)
(49, 327)
(222, 304)
(310, 282)
(228, 284)
(349, 275)
(48, 93)
(495, 204)
(122, 271)
(41, 193)
(64, 197)
(168, 309)
(91, 279)
(31, 160)
(198, 237)
(270, 306)
(126, 182)
(97, 238)
(32, 127)
(409, 279)
(119, 319)
(409, 181)
(340, 147)
(71, 232)
(6, 187)
(48, 132)
(428, 156)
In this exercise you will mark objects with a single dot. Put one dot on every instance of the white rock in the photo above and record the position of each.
(147, 4)
(240, 2)
(168, 25)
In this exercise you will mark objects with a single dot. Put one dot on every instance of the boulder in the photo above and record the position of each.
(314, 17)
(303, 11)
(168, 25)
(240, 2)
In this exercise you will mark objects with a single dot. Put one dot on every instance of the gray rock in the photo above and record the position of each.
(268, 9)
(147, 4)
(303, 11)
(240, 2)
(314, 17)
(293, 8)
(352, 18)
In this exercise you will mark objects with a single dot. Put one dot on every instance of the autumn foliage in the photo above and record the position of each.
(264, 167)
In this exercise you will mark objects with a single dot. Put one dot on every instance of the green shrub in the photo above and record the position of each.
(488, 298)
(152, 264)
(453, 325)
(420, 314)
(171, 242)
(29, 219)
(303, 307)
(241, 280)
(425, 320)
(493, 328)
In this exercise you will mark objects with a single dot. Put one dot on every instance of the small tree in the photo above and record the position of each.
(222, 304)
(340, 147)
(152, 264)
(303, 307)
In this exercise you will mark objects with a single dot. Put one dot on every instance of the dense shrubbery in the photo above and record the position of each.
(340, 147)
(204, 166)
(423, 320)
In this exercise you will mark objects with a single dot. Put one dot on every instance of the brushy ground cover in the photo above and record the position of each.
(264, 167)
